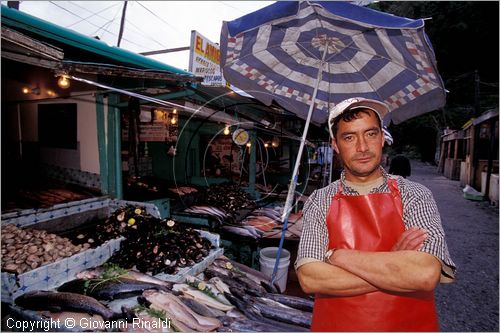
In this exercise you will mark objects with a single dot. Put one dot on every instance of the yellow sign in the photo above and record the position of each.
(204, 60)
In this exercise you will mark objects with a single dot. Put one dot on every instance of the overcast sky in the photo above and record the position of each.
(149, 25)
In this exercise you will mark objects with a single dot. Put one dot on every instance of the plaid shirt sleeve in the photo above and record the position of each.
(420, 210)
(314, 240)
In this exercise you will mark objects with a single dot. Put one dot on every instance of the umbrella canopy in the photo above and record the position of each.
(276, 53)
(309, 56)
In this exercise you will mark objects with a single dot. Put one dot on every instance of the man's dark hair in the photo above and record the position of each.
(350, 115)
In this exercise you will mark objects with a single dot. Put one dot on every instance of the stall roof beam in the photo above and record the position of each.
(30, 45)
(34, 26)
(175, 95)
(126, 72)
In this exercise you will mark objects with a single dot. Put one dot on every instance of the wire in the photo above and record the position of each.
(139, 32)
(158, 17)
(107, 24)
(95, 25)
(92, 14)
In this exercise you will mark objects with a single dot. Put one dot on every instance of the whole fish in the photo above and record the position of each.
(214, 292)
(201, 308)
(96, 272)
(275, 310)
(201, 297)
(296, 302)
(239, 231)
(250, 286)
(63, 301)
(235, 287)
(220, 285)
(179, 312)
(110, 289)
(251, 273)
(254, 314)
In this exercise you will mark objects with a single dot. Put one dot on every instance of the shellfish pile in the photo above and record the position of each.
(155, 245)
(229, 197)
(27, 249)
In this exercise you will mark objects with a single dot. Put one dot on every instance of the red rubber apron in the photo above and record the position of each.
(371, 222)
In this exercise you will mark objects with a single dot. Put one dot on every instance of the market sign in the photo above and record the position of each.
(204, 60)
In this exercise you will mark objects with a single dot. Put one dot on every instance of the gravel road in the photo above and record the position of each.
(470, 304)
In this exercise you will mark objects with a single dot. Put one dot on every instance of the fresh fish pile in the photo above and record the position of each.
(181, 315)
(160, 246)
(227, 296)
(27, 249)
(218, 214)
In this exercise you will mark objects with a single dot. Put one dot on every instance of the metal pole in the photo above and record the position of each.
(293, 182)
(122, 23)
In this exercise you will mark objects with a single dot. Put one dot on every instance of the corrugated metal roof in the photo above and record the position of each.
(32, 25)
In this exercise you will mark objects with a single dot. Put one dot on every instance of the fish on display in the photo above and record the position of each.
(179, 312)
(209, 210)
(201, 297)
(201, 308)
(255, 231)
(234, 287)
(251, 273)
(63, 301)
(277, 311)
(253, 313)
(110, 289)
(240, 231)
(219, 284)
(97, 273)
(206, 287)
(299, 303)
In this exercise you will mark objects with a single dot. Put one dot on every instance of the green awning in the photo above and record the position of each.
(32, 25)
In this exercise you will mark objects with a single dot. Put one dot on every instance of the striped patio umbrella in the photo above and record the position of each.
(283, 51)
(307, 56)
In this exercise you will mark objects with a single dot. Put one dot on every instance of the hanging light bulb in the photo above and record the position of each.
(174, 111)
(266, 145)
(26, 90)
(275, 142)
(63, 82)
(226, 130)
(173, 120)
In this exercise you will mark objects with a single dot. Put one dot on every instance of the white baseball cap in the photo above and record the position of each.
(380, 108)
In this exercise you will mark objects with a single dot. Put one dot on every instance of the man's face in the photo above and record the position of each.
(359, 144)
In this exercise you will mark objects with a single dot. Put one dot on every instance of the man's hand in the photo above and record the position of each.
(412, 240)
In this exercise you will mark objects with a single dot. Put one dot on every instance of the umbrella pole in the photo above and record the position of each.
(293, 182)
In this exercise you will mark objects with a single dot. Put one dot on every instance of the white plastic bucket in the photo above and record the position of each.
(267, 259)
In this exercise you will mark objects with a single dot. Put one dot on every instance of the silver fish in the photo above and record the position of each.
(61, 301)
(97, 272)
(179, 312)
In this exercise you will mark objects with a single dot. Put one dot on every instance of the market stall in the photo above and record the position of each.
(138, 269)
